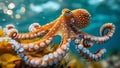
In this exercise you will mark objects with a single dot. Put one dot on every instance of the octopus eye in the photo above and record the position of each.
(67, 12)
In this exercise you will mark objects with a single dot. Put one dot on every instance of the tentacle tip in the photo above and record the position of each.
(10, 26)
(110, 24)
(111, 28)
(12, 33)
(34, 26)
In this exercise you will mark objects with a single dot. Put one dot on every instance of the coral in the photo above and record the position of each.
(9, 61)
(2, 34)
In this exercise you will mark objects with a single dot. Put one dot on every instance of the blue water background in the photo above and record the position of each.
(45, 11)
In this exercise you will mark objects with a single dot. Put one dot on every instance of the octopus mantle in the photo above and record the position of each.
(68, 26)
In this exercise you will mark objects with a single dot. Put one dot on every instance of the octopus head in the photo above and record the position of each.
(79, 17)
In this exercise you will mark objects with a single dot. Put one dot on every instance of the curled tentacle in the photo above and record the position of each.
(109, 26)
(10, 26)
(10, 31)
(48, 59)
(86, 44)
(40, 31)
(81, 46)
(34, 27)
(67, 26)
(104, 38)
(95, 39)
(88, 55)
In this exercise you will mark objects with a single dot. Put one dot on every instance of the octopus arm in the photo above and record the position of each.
(88, 55)
(80, 47)
(86, 43)
(45, 41)
(34, 27)
(38, 31)
(38, 45)
(104, 38)
(48, 59)
(95, 39)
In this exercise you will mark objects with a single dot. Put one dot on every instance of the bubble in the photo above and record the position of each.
(11, 6)
(9, 12)
(18, 16)
(23, 9)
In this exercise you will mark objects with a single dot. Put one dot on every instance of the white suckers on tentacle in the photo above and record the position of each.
(34, 27)
(81, 19)
(35, 31)
(48, 59)
(82, 51)
(68, 26)
(95, 39)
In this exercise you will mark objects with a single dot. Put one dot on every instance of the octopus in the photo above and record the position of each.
(68, 25)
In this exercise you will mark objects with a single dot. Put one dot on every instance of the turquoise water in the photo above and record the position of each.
(25, 12)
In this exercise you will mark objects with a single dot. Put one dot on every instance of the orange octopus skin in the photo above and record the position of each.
(38, 32)
(82, 18)
(68, 26)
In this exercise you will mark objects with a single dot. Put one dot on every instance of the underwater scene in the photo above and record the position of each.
(59, 33)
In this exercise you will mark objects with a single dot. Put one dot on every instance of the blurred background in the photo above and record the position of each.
(22, 13)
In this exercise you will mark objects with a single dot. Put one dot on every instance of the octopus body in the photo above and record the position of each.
(68, 25)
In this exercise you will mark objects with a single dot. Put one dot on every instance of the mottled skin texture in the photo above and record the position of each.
(68, 26)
